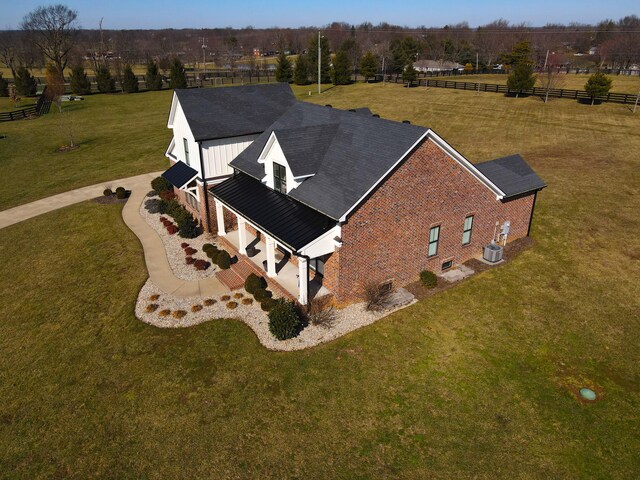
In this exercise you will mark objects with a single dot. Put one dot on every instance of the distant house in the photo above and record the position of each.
(334, 199)
(437, 66)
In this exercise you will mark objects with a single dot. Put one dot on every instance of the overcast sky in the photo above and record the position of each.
(131, 14)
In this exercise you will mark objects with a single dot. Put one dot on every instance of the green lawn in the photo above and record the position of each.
(476, 382)
(119, 136)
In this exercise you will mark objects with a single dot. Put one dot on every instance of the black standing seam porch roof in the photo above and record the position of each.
(288, 221)
(180, 174)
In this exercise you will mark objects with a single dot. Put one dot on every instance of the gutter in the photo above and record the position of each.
(204, 186)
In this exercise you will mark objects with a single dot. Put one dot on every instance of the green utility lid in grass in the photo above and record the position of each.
(587, 394)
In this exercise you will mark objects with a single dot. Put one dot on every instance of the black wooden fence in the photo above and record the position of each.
(626, 98)
(40, 108)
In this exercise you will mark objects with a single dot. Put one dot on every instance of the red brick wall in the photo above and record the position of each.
(387, 236)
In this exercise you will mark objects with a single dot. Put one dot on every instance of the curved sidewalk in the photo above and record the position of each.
(48, 204)
(155, 255)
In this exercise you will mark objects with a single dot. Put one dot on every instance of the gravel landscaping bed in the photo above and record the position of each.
(172, 246)
(152, 298)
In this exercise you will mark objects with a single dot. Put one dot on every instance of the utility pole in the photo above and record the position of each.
(319, 53)
(204, 61)
(477, 72)
(383, 70)
(545, 61)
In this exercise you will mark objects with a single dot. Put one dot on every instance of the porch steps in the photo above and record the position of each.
(232, 279)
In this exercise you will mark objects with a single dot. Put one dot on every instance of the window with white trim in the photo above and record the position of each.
(279, 178)
(434, 238)
(468, 227)
(186, 150)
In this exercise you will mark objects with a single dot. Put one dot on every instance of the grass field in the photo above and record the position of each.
(477, 382)
(571, 81)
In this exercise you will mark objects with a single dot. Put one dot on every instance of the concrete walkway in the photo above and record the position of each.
(155, 255)
(45, 205)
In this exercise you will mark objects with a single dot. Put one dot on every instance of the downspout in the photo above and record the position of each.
(204, 187)
(535, 196)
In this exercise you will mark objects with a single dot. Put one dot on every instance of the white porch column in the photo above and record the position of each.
(220, 218)
(303, 281)
(242, 235)
(271, 256)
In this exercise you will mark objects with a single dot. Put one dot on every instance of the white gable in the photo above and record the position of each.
(272, 153)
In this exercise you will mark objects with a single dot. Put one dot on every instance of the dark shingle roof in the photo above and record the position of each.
(512, 175)
(358, 151)
(290, 222)
(180, 174)
(233, 111)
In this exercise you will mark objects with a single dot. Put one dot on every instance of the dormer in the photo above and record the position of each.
(278, 174)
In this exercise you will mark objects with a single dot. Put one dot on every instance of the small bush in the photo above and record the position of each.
(224, 298)
(428, 279)
(320, 311)
(188, 227)
(152, 307)
(164, 313)
(196, 308)
(184, 245)
(167, 195)
(107, 192)
(261, 294)
(209, 302)
(208, 246)
(190, 260)
(247, 301)
(238, 295)
(172, 229)
(376, 295)
(213, 253)
(189, 250)
(179, 314)
(154, 297)
(224, 260)
(201, 264)
(267, 304)
(153, 205)
(160, 184)
(232, 305)
(284, 320)
(120, 189)
(121, 193)
(254, 283)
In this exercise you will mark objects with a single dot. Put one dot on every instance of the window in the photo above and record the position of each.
(192, 200)
(447, 265)
(186, 150)
(468, 226)
(279, 178)
(317, 265)
(434, 237)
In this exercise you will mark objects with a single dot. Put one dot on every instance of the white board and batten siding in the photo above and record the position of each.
(216, 154)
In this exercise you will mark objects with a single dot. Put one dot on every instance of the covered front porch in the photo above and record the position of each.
(285, 240)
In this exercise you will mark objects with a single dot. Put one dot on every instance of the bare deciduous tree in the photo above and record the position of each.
(52, 29)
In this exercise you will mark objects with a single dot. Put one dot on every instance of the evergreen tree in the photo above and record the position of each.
(341, 71)
(520, 53)
(129, 80)
(106, 83)
(368, 66)
(4, 87)
(284, 70)
(409, 74)
(301, 71)
(80, 84)
(153, 79)
(597, 85)
(403, 52)
(521, 78)
(325, 59)
(25, 83)
(178, 75)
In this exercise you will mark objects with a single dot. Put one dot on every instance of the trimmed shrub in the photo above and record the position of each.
(209, 302)
(153, 205)
(238, 295)
(201, 264)
(213, 254)
(179, 314)
(184, 245)
(267, 304)
(207, 246)
(172, 229)
(232, 305)
(428, 279)
(196, 308)
(224, 298)
(261, 294)
(107, 192)
(121, 193)
(284, 320)
(253, 283)
(247, 301)
(164, 313)
(189, 251)
(152, 307)
(223, 260)
(155, 297)
(190, 260)
(189, 228)
(167, 195)
(161, 184)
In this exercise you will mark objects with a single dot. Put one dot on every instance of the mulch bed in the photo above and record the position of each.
(511, 251)
(111, 199)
